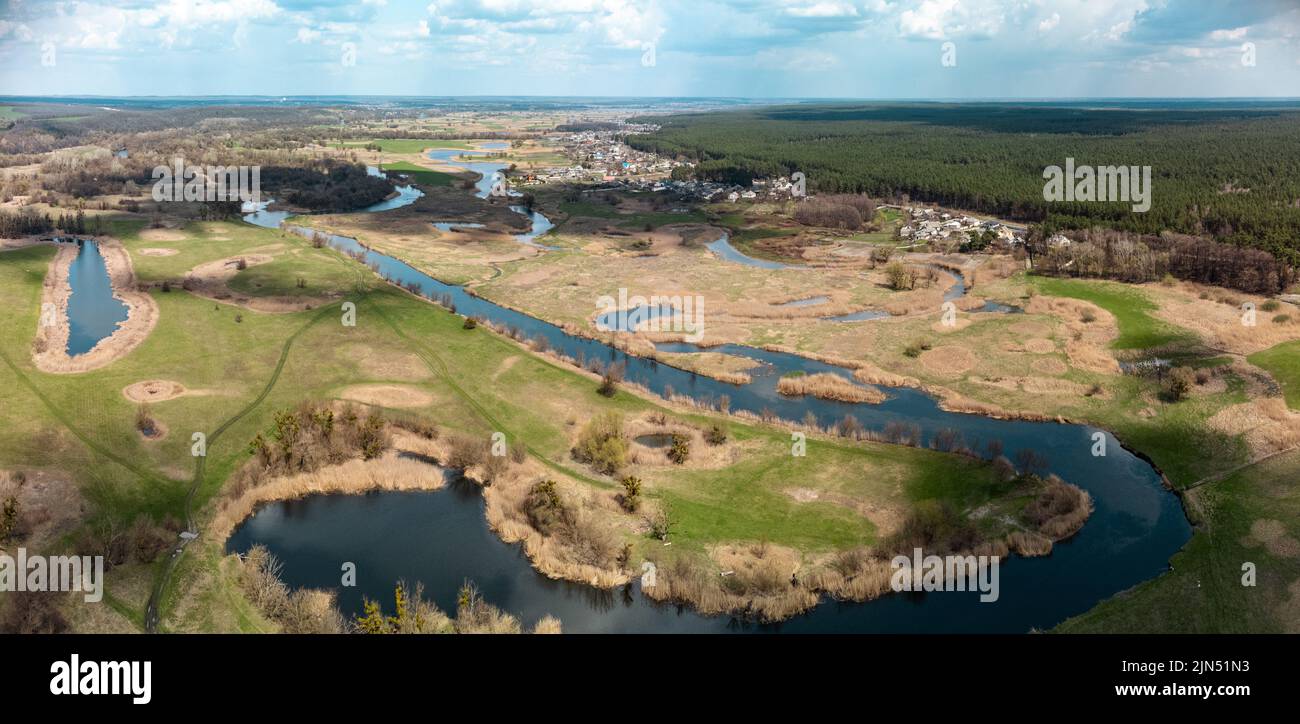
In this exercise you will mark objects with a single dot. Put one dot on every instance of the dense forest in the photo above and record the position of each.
(1233, 174)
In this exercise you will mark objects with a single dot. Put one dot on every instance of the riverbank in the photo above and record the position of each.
(50, 347)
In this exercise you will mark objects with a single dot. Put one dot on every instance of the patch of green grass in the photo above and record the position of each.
(280, 276)
(406, 145)
(1138, 329)
(1283, 362)
(420, 175)
(9, 113)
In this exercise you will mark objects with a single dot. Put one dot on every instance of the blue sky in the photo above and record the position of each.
(750, 48)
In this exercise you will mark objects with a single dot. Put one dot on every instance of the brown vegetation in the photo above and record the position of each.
(828, 386)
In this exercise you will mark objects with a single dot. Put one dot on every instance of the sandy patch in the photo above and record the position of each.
(955, 326)
(1273, 536)
(506, 365)
(1220, 319)
(153, 391)
(1049, 366)
(50, 348)
(157, 251)
(1030, 329)
(949, 360)
(1038, 345)
(886, 520)
(1265, 424)
(385, 363)
(401, 396)
(1051, 386)
(162, 235)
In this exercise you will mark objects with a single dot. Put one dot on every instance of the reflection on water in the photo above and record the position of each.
(93, 312)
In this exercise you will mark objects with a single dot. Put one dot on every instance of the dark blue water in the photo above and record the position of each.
(93, 312)
(1136, 527)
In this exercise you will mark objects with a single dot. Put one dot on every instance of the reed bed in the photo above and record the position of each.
(828, 386)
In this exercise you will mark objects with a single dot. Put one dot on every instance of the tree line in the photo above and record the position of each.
(1230, 175)
(1127, 257)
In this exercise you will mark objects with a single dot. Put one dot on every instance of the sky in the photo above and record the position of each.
(705, 48)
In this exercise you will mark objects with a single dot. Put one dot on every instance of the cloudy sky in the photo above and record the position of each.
(749, 48)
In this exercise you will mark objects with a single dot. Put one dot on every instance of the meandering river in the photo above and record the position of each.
(441, 538)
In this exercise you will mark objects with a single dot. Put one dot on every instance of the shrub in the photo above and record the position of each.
(631, 493)
(32, 612)
(470, 323)
(1281, 319)
(608, 384)
(1272, 305)
(1088, 316)
(659, 525)
(602, 444)
(545, 508)
(144, 421)
(716, 434)
(1178, 383)
(680, 450)
(8, 519)
(241, 264)
(901, 277)
(466, 452)
(1031, 462)
(933, 526)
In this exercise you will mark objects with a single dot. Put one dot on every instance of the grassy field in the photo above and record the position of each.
(1137, 328)
(9, 113)
(421, 175)
(1283, 362)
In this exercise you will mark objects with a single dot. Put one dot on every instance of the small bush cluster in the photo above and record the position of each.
(602, 444)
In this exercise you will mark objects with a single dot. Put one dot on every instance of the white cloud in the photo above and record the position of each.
(1234, 34)
(1050, 24)
(824, 9)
